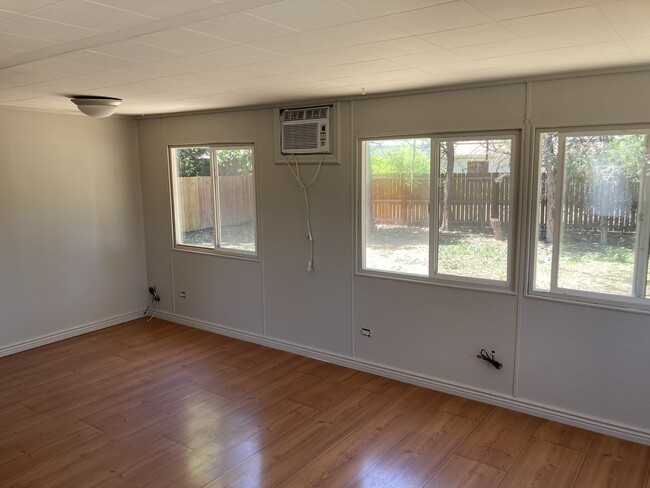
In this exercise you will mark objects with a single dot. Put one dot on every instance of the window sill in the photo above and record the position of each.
(239, 255)
(631, 305)
(462, 284)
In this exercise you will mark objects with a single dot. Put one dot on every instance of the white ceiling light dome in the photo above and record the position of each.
(98, 107)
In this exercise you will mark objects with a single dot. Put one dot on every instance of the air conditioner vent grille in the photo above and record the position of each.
(305, 114)
(302, 136)
(305, 130)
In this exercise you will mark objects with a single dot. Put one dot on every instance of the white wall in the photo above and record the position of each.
(71, 226)
(579, 364)
(572, 357)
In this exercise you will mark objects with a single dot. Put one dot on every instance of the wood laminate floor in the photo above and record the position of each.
(155, 404)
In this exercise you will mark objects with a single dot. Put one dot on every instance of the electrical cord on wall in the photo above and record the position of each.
(298, 177)
(155, 298)
(155, 310)
(490, 359)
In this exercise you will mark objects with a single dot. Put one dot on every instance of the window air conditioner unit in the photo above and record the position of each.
(305, 130)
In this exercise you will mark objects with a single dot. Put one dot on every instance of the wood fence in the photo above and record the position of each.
(591, 207)
(195, 198)
(398, 199)
(474, 200)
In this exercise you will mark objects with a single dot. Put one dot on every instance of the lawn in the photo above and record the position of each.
(405, 249)
(584, 264)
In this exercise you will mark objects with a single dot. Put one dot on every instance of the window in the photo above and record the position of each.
(592, 202)
(467, 237)
(214, 198)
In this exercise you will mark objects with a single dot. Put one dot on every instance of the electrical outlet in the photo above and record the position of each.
(154, 293)
(365, 332)
(182, 294)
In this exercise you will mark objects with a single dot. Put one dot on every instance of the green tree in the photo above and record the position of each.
(400, 156)
(193, 161)
(233, 162)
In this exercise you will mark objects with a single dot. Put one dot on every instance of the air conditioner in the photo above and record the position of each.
(305, 130)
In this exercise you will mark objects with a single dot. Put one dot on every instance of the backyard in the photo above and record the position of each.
(405, 249)
(584, 264)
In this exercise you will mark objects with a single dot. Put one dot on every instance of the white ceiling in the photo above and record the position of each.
(182, 55)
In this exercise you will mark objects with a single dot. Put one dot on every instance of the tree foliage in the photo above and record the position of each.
(399, 156)
(195, 161)
(605, 157)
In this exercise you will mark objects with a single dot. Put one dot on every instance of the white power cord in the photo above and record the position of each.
(296, 175)
(155, 310)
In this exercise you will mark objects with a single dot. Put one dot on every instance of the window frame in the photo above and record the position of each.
(506, 286)
(217, 250)
(569, 295)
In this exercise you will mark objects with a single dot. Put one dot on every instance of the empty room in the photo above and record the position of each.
(334, 243)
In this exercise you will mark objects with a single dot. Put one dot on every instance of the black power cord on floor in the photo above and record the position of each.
(490, 359)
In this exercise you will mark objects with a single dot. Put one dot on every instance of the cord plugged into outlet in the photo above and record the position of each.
(489, 358)
(154, 293)
(155, 298)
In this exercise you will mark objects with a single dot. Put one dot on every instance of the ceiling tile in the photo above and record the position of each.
(225, 74)
(17, 94)
(627, 11)
(23, 76)
(562, 21)
(111, 77)
(304, 15)
(296, 44)
(183, 41)
(640, 48)
(574, 58)
(438, 18)
(288, 65)
(4, 15)
(468, 36)
(159, 9)
(365, 68)
(549, 42)
(510, 9)
(378, 8)
(135, 51)
(90, 16)
(361, 32)
(8, 52)
(634, 30)
(364, 81)
(160, 65)
(22, 43)
(63, 67)
(104, 61)
(25, 6)
(45, 29)
(146, 86)
(186, 64)
(68, 87)
(433, 62)
(334, 57)
(236, 56)
(240, 28)
(398, 47)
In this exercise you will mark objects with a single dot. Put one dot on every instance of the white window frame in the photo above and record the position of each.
(501, 286)
(643, 230)
(218, 250)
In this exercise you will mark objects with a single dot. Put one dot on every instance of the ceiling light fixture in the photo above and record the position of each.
(98, 107)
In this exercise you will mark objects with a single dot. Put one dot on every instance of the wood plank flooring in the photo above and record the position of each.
(155, 404)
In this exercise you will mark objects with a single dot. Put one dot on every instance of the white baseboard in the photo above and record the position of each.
(67, 333)
(550, 412)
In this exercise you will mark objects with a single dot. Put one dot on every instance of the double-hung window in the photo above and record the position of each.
(593, 210)
(214, 198)
(438, 208)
